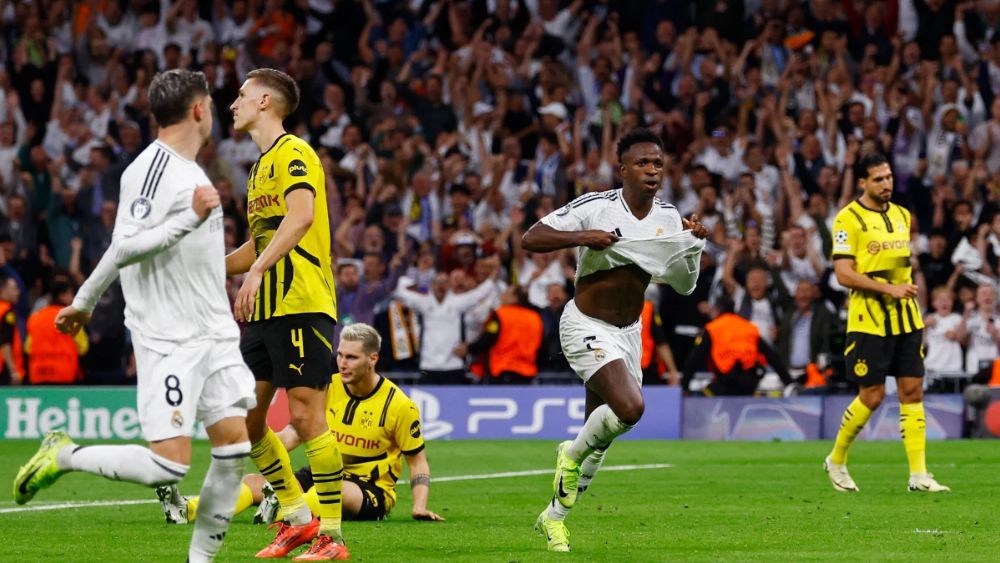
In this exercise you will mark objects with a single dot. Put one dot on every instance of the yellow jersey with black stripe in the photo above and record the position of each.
(373, 432)
(879, 243)
(302, 281)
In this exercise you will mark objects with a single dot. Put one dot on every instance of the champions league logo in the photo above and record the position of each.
(141, 208)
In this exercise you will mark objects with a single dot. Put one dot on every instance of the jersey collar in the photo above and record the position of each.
(378, 386)
(865, 207)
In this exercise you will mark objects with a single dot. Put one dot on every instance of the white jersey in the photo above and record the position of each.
(655, 243)
(944, 355)
(173, 294)
(981, 346)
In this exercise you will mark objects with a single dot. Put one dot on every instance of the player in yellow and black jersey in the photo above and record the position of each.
(871, 257)
(287, 299)
(377, 427)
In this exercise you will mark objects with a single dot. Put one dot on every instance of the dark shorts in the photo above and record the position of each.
(290, 351)
(373, 506)
(869, 359)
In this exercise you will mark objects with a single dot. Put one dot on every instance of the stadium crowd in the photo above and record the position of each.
(447, 127)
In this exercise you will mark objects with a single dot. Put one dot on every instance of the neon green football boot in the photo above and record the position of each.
(567, 477)
(41, 470)
(554, 531)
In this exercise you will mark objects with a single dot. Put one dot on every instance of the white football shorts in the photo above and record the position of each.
(590, 343)
(204, 380)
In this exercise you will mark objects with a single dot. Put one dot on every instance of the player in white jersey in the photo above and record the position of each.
(169, 250)
(627, 238)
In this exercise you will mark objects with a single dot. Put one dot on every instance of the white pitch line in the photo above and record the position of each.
(538, 472)
(530, 472)
(79, 504)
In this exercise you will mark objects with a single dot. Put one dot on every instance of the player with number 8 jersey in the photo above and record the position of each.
(168, 249)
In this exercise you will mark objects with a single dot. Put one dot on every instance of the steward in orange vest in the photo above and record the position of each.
(657, 362)
(735, 354)
(54, 357)
(513, 336)
(12, 367)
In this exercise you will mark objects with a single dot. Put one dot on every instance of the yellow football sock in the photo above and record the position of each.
(192, 506)
(244, 502)
(855, 416)
(271, 458)
(312, 499)
(328, 476)
(245, 499)
(913, 430)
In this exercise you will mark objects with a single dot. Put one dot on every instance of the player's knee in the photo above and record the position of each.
(306, 423)
(872, 397)
(631, 412)
(162, 471)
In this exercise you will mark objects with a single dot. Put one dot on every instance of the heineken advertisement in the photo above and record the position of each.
(98, 413)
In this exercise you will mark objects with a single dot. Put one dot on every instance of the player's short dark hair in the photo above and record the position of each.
(171, 94)
(284, 85)
(868, 162)
(635, 137)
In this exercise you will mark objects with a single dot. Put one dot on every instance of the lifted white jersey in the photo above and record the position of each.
(655, 243)
(174, 286)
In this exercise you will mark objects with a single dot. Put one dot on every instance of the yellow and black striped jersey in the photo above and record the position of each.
(879, 243)
(302, 281)
(373, 432)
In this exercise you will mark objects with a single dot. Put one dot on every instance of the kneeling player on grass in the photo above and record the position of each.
(373, 420)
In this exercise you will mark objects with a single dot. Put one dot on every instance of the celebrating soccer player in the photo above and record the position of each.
(375, 423)
(288, 301)
(871, 253)
(168, 248)
(628, 238)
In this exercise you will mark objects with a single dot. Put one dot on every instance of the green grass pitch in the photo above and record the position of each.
(717, 501)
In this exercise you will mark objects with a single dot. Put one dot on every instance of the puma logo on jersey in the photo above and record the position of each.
(297, 368)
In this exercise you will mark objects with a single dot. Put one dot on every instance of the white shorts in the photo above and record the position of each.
(205, 381)
(589, 343)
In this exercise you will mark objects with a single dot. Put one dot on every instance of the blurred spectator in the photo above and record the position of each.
(732, 349)
(980, 331)
(512, 337)
(657, 360)
(943, 335)
(10, 335)
(442, 349)
(360, 287)
(54, 357)
(804, 333)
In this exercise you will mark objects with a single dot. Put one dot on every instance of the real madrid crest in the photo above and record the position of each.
(141, 207)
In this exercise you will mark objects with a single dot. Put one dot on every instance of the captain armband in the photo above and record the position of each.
(420, 479)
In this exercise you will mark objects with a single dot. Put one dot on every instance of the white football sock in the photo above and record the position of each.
(600, 429)
(556, 510)
(218, 498)
(133, 463)
(588, 470)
